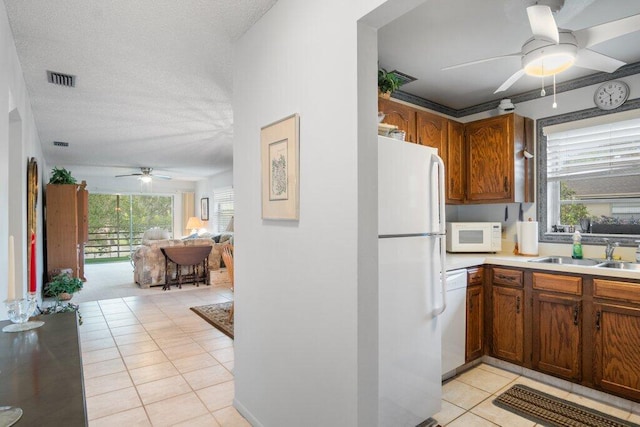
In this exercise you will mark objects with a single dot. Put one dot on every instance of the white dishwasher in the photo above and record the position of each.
(453, 323)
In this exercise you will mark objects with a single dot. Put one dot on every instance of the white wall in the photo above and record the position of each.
(13, 163)
(306, 291)
(207, 188)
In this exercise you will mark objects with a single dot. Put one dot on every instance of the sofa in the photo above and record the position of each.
(149, 261)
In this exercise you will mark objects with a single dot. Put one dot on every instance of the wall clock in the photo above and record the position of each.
(611, 95)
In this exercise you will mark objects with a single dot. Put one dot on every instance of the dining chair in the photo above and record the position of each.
(227, 257)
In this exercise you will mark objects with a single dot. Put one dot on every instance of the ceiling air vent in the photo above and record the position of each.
(60, 144)
(404, 78)
(61, 79)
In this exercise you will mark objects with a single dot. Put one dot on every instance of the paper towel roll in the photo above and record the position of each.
(528, 237)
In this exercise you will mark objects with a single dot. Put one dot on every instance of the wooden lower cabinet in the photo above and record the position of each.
(616, 358)
(475, 323)
(557, 345)
(508, 324)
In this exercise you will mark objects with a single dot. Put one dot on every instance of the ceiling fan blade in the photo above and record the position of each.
(510, 81)
(480, 61)
(590, 36)
(587, 58)
(129, 174)
(160, 176)
(542, 23)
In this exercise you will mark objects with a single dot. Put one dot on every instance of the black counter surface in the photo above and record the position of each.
(41, 372)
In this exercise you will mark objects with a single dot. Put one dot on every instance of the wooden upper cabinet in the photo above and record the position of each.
(496, 165)
(455, 163)
(432, 131)
(490, 156)
(400, 115)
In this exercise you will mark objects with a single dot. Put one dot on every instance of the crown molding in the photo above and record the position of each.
(592, 79)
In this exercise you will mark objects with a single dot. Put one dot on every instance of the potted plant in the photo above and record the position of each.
(63, 286)
(61, 176)
(387, 83)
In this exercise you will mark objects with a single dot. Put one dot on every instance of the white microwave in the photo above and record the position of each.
(474, 237)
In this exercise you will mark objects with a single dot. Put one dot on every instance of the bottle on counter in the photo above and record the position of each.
(577, 245)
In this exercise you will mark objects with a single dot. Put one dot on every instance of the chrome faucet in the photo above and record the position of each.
(611, 246)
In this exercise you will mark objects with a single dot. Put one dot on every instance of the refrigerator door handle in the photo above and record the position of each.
(442, 229)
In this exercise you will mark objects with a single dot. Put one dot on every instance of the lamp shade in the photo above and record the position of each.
(194, 223)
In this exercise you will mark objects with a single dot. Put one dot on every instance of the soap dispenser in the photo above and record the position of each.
(638, 251)
(577, 246)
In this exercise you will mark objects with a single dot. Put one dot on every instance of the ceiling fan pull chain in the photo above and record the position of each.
(555, 104)
(542, 92)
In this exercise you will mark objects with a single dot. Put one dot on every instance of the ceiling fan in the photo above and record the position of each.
(552, 50)
(145, 175)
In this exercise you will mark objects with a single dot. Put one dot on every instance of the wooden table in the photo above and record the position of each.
(41, 372)
(194, 256)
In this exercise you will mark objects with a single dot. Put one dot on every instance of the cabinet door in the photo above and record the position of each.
(508, 324)
(455, 163)
(616, 357)
(490, 158)
(61, 219)
(475, 323)
(400, 115)
(432, 131)
(557, 345)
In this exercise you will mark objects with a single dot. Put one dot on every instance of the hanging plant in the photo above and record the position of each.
(61, 176)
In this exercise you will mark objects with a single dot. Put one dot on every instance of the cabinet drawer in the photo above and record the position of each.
(612, 289)
(505, 276)
(475, 276)
(551, 282)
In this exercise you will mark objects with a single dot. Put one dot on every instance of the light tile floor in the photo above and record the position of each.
(467, 399)
(150, 361)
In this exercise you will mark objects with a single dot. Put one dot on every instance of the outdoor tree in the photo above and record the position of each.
(570, 214)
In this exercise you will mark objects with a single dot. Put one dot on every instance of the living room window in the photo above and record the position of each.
(223, 208)
(117, 222)
(593, 178)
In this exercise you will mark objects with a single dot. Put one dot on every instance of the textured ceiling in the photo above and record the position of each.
(442, 33)
(154, 81)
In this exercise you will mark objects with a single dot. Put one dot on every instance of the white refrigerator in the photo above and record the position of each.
(411, 250)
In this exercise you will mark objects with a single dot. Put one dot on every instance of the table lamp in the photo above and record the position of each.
(194, 224)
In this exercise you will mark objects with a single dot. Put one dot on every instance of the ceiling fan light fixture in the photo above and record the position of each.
(549, 61)
(146, 179)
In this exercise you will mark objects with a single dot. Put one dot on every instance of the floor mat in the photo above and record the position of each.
(553, 411)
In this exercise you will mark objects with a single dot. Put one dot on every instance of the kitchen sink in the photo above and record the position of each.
(565, 260)
(620, 265)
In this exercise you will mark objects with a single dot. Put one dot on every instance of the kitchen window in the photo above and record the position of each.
(590, 171)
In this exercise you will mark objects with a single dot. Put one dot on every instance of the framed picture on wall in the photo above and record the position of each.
(280, 168)
(204, 209)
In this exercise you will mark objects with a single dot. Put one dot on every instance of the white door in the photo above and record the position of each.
(409, 336)
(407, 196)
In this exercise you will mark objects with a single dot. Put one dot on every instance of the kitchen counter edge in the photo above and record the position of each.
(458, 261)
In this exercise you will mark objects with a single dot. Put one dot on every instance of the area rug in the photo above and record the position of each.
(552, 411)
(217, 315)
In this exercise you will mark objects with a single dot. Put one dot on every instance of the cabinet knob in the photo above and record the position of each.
(576, 311)
(506, 185)
(598, 314)
(517, 305)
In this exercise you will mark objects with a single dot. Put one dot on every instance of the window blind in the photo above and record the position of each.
(223, 208)
(609, 150)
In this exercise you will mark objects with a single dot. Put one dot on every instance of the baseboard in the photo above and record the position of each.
(246, 413)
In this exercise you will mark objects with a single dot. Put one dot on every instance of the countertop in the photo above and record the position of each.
(456, 261)
(41, 372)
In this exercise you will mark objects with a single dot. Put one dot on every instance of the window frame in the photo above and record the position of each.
(541, 190)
